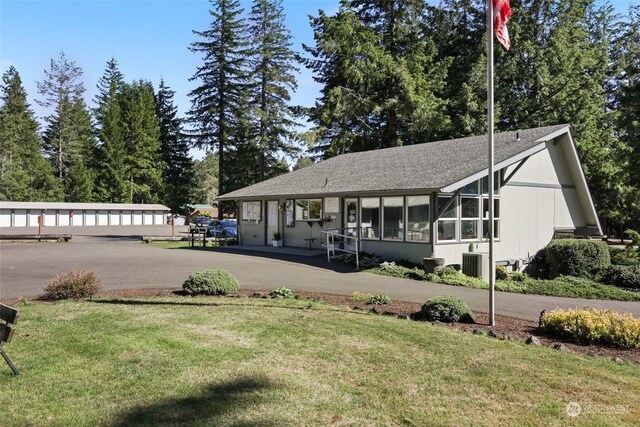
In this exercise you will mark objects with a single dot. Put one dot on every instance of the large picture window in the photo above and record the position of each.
(308, 209)
(370, 218)
(469, 218)
(251, 211)
(447, 224)
(418, 229)
(393, 218)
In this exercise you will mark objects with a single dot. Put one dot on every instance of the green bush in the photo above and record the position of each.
(517, 276)
(74, 284)
(380, 299)
(621, 276)
(447, 308)
(281, 292)
(210, 282)
(585, 326)
(360, 297)
(577, 258)
(395, 270)
(501, 273)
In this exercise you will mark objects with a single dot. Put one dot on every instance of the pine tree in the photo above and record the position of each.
(272, 74)
(141, 135)
(382, 82)
(111, 157)
(68, 137)
(205, 172)
(178, 166)
(25, 175)
(218, 111)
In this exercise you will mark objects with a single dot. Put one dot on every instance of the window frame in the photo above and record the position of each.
(383, 219)
(475, 218)
(308, 201)
(455, 219)
(245, 210)
(407, 222)
(361, 228)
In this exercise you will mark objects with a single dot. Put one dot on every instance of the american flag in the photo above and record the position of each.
(501, 14)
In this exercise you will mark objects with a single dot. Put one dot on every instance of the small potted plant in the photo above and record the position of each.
(277, 239)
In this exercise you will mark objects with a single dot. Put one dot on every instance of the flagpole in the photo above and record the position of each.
(492, 268)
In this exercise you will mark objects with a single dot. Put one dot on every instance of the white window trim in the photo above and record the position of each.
(249, 210)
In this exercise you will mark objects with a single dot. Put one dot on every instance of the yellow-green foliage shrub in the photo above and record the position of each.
(592, 325)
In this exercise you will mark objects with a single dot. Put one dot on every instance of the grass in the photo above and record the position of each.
(237, 361)
(563, 286)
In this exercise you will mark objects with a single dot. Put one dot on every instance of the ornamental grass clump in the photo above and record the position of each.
(74, 284)
(591, 325)
(210, 282)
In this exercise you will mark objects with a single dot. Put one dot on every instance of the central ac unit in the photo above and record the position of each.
(476, 264)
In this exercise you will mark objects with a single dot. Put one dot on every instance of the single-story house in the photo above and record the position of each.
(200, 209)
(25, 214)
(430, 200)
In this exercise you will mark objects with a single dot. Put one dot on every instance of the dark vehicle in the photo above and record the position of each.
(222, 228)
(201, 221)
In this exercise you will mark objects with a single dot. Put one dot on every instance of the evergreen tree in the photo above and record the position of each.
(68, 137)
(219, 104)
(272, 74)
(141, 135)
(178, 166)
(25, 175)
(381, 80)
(206, 179)
(111, 157)
(628, 103)
(458, 29)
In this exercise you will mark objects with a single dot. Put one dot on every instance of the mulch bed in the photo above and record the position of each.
(510, 328)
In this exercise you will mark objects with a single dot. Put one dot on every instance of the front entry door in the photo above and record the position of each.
(272, 220)
(350, 220)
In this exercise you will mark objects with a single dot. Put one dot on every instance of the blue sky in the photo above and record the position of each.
(148, 38)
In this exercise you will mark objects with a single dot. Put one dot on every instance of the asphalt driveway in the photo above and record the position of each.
(123, 262)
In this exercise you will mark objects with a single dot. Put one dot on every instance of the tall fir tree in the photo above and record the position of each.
(178, 166)
(219, 104)
(382, 80)
(273, 77)
(68, 138)
(556, 72)
(112, 184)
(25, 175)
(141, 135)
(628, 104)
(458, 29)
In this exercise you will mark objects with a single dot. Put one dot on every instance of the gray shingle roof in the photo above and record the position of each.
(430, 166)
(80, 206)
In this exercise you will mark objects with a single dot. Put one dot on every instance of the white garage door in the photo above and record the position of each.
(50, 218)
(77, 218)
(159, 218)
(114, 218)
(20, 218)
(148, 218)
(103, 218)
(137, 218)
(90, 218)
(126, 217)
(32, 216)
(5, 218)
(63, 218)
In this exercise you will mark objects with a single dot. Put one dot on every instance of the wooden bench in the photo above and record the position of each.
(8, 320)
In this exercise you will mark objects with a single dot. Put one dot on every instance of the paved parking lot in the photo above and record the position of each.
(123, 262)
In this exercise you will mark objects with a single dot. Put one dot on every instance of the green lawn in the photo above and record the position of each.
(239, 361)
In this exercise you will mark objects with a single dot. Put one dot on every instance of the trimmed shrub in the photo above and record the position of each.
(74, 284)
(578, 258)
(210, 282)
(380, 299)
(517, 276)
(621, 276)
(281, 292)
(585, 326)
(447, 308)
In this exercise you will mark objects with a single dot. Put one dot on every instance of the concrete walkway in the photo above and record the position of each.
(122, 262)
